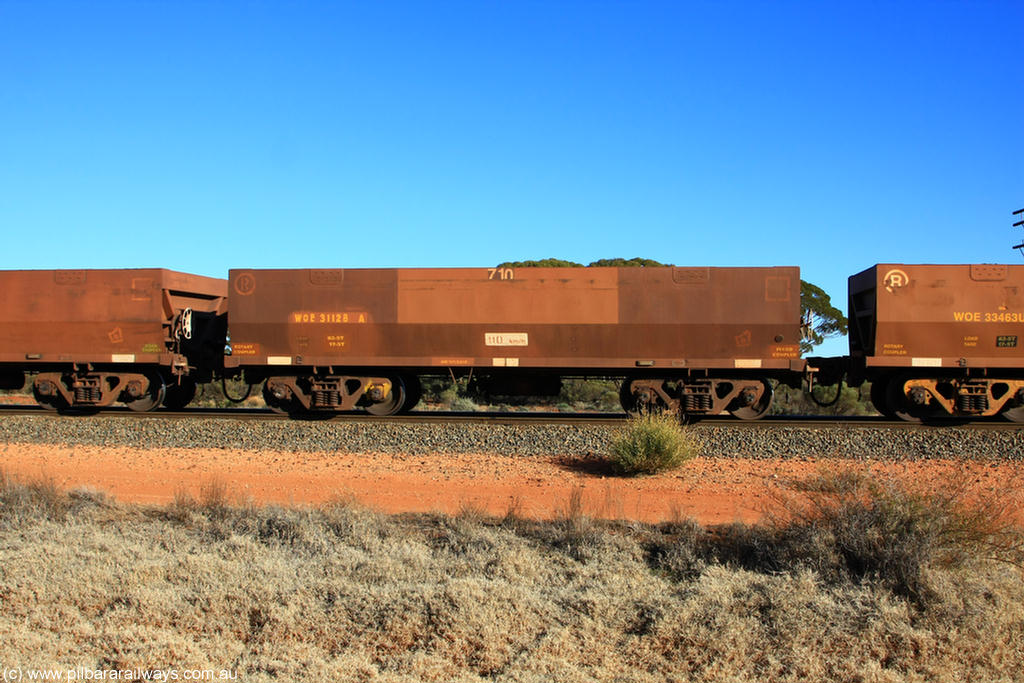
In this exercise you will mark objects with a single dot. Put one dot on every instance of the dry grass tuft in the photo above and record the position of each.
(37, 498)
(183, 505)
(513, 513)
(213, 498)
(851, 526)
(473, 511)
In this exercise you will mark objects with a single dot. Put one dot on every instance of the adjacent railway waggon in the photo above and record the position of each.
(695, 340)
(934, 341)
(938, 341)
(91, 338)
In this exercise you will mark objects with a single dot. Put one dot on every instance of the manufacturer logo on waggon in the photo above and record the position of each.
(895, 279)
(245, 284)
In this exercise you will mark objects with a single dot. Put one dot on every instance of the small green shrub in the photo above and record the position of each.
(464, 404)
(211, 395)
(651, 443)
(591, 394)
(795, 401)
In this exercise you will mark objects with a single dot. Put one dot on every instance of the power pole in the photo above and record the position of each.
(1019, 215)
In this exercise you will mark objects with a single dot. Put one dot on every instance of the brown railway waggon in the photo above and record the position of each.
(936, 342)
(695, 340)
(939, 341)
(142, 337)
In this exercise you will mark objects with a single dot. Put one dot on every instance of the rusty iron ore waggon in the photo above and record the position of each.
(91, 338)
(937, 341)
(693, 340)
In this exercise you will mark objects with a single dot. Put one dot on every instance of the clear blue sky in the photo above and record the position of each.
(206, 135)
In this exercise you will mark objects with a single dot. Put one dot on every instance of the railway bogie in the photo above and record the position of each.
(303, 393)
(915, 397)
(84, 390)
(747, 398)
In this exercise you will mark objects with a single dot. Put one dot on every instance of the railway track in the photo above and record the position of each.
(518, 418)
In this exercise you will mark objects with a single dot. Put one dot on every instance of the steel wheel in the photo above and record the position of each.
(900, 405)
(626, 398)
(151, 397)
(413, 393)
(285, 406)
(758, 409)
(879, 397)
(394, 401)
(646, 400)
(1013, 414)
(55, 402)
(178, 395)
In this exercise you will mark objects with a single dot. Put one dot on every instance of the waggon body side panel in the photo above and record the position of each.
(923, 315)
(571, 318)
(97, 316)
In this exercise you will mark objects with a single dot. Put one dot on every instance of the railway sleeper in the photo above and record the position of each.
(87, 390)
(917, 398)
(331, 393)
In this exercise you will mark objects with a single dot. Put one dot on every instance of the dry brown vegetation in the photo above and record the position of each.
(345, 593)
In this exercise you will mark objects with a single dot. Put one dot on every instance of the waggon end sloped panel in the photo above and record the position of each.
(96, 316)
(526, 317)
(925, 315)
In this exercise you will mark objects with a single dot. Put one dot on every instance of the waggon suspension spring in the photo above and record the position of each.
(326, 398)
(972, 403)
(87, 390)
(87, 394)
(696, 403)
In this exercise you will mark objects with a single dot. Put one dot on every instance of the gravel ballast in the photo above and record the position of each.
(763, 440)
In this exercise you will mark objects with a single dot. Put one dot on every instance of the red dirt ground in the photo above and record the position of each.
(710, 490)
